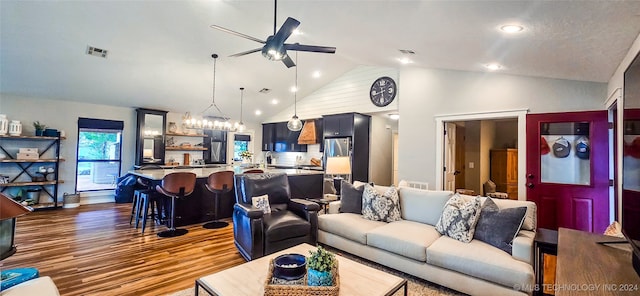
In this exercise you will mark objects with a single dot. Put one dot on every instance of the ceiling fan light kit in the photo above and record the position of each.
(217, 121)
(274, 48)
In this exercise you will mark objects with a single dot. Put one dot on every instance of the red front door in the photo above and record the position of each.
(568, 169)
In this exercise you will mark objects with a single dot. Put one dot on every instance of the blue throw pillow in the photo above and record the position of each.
(498, 227)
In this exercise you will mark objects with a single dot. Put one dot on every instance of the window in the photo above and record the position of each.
(240, 143)
(99, 154)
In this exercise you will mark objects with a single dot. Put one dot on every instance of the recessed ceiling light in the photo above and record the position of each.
(294, 89)
(316, 74)
(511, 28)
(493, 67)
(405, 60)
(394, 116)
(274, 101)
(297, 32)
(258, 112)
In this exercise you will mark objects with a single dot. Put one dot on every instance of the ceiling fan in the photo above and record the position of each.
(274, 47)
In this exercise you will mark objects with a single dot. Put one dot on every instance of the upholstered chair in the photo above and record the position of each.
(291, 221)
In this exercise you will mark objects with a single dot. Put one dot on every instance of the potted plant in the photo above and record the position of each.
(246, 156)
(39, 127)
(319, 266)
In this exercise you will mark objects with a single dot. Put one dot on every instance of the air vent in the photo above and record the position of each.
(407, 51)
(265, 91)
(98, 52)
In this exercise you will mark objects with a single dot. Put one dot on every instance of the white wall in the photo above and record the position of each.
(425, 93)
(347, 93)
(615, 96)
(380, 151)
(63, 115)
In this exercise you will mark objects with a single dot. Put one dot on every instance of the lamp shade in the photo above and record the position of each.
(339, 165)
(10, 208)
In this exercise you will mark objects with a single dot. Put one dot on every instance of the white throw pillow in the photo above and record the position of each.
(381, 207)
(261, 202)
(459, 218)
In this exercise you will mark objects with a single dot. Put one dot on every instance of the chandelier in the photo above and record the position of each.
(217, 121)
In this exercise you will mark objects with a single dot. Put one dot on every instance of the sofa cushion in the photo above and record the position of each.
(499, 227)
(380, 207)
(423, 206)
(283, 225)
(406, 238)
(348, 225)
(351, 197)
(459, 218)
(481, 260)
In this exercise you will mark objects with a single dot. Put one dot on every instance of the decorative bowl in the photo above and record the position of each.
(290, 266)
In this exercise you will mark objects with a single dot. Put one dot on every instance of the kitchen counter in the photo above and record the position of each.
(198, 207)
(204, 172)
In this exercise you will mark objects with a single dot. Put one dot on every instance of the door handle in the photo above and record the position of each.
(530, 185)
(530, 176)
(456, 173)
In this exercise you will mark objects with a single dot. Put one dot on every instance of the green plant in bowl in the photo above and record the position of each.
(320, 264)
(40, 127)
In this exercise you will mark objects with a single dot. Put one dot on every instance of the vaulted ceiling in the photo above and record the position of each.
(159, 52)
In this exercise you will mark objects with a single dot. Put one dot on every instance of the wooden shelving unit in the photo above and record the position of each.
(9, 147)
(187, 135)
(18, 184)
(178, 148)
(31, 160)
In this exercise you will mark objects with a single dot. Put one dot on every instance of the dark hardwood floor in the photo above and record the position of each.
(92, 250)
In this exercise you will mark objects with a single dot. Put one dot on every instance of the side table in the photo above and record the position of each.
(545, 242)
(324, 203)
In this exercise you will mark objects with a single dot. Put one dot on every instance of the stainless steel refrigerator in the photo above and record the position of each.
(337, 147)
(334, 147)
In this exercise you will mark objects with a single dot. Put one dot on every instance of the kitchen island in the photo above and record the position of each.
(198, 207)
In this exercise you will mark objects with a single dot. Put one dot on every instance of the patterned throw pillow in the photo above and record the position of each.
(459, 218)
(381, 207)
(261, 202)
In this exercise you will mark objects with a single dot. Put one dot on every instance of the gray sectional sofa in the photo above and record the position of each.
(413, 245)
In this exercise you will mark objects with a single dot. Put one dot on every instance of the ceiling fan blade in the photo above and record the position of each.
(288, 61)
(311, 48)
(285, 31)
(245, 52)
(237, 34)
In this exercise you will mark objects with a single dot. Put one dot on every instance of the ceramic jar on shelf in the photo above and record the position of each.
(4, 125)
(15, 128)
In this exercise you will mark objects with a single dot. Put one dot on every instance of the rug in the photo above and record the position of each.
(416, 286)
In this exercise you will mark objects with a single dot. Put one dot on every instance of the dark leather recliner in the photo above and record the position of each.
(291, 221)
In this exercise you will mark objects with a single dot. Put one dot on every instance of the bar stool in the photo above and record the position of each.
(218, 183)
(147, 186)
(176, 185)
(147, 202)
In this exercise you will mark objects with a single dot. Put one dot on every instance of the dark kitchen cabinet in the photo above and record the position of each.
(150, 128)
(356, 127)
(268, 136)
(277, 137)
(338, 125)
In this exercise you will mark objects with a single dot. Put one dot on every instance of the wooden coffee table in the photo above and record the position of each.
(248, 278)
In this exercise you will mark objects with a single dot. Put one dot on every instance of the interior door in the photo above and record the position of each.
(568, 169)
(450, 156)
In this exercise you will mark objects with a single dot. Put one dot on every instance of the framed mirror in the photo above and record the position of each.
(150, 140)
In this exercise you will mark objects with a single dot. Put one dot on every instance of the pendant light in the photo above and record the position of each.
(241, 126)
(295, 124)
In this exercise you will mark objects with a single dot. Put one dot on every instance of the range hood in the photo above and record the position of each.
(308, 133)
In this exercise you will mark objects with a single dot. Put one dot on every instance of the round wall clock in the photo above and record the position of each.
(383, 91)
